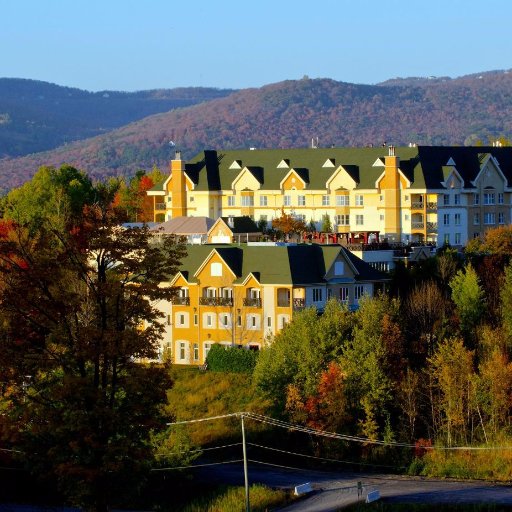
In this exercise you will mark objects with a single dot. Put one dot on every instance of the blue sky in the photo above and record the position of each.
(133, 45)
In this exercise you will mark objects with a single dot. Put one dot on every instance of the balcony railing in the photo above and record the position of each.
(181, 301)
(431, 205)
(159, 206)
(252, 302)
(283, 303)
(417, 224)
(299, 303)
(431, 226)
(418, 205)
(215, 301)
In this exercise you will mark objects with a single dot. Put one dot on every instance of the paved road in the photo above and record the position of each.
(335, 490)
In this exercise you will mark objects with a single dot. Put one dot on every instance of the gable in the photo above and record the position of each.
(340, 269)
(214, 271)
(245, 180)
(341, 179)
(292, 181)
(490, 175)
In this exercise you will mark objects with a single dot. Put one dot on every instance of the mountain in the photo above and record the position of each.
(291, 114)
(37, 116)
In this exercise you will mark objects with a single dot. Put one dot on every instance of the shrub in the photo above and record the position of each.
(231, 359)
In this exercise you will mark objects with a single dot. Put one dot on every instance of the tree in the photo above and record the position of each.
(368, 361)
(288, 224)
(73, 302)
(301, 352)
(468, 297)
(53, 195)
(452, 370)
(326, 224)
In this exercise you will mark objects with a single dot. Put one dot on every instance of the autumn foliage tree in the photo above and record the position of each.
(288, 224)
(81, 406)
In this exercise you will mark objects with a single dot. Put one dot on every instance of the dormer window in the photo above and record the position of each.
(284, 164)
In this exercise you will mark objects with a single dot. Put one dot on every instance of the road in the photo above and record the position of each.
(335, 490)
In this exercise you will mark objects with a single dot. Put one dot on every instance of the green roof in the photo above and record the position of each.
(300, 264)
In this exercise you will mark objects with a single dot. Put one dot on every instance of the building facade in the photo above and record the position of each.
(240, 295)
(408, 194)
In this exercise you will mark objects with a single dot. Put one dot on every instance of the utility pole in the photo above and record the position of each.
(246, 478)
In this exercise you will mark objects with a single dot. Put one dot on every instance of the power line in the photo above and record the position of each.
(198, 465)
(323, 458)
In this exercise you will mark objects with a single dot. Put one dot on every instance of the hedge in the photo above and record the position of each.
(231, 359)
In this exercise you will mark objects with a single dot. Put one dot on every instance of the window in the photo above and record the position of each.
(501, 218)
(239, 320)
(317, 295)
(207, 346)
(183, 350)
(476, 198)
(456, 199)
(457, 238)
(231, 200)
(476, 219)
(226, 293)
(500, 198)
(263, 200)
(406, 216)
(282, 321)
(446, 199)
(359, 220)
(253, 322)
(168, 319)
(326, 200)
(287, 200)
(269, 321)
(181, 319)
(382, 217)
(447, 239)
(489, 198)
(344, 294)
(342, 220)
(247, 201)
(359, 200)
(456, 219)
(224, 320)
(263, 218)
(301, 200)
(339, 268)
(196, 351)
(489, 218)
(342, 201)
(209, 320)
(358, 291)
(211, 293)
(301, 217)
(476, 235)
(196, 319)
(216, 270)
(446, 219)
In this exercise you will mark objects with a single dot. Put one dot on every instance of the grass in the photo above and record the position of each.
(198, 395)
(232, 499)
(493, 465)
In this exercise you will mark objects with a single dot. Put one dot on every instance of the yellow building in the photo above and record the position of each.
(241, 295)
(408, 194)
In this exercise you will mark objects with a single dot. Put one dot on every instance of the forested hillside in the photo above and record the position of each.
(291, 114)
(36, 116)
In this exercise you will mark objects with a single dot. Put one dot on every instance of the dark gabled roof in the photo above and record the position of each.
(301, 264)
(243, 224)
(365, 271)
(233, 256)
(421, 165)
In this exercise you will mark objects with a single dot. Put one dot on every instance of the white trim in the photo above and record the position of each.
(291, 171)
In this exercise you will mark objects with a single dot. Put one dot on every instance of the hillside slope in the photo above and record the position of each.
(290, 114)
(37, 116)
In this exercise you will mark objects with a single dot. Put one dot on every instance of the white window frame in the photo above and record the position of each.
(216, 269)
(326, 200)
(359, 220)
(358, 292)
(231, 200)
(247, 201)
(287, 200)
(301, 200)
(359, 200)
(342, 200)
(263, 200)
(343, 293)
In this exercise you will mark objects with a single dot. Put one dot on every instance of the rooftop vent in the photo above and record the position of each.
(391, 151)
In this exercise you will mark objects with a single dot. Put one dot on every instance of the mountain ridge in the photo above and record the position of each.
(289, 114)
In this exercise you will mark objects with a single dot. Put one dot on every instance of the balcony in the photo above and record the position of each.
(431, 205)
(252, 302)
(216, 301)
(417, 224)
(299, 303)
(159, 206)
(417, 205)
(181, 301)
(283, 302)
(432, 227)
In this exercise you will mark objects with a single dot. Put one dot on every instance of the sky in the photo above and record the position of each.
(131, 45)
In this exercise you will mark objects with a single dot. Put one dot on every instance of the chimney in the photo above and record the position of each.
(178, 186)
